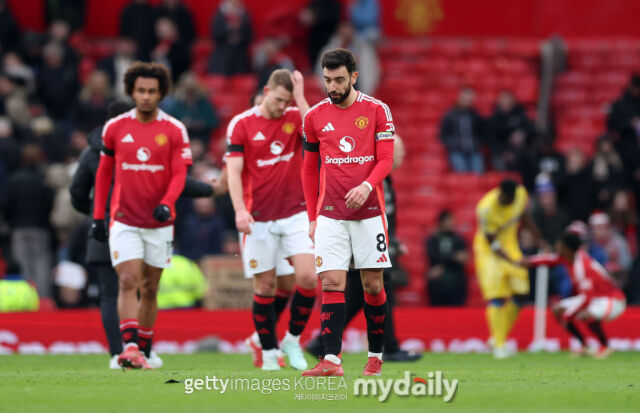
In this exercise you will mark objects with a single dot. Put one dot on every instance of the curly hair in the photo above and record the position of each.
(148, 70)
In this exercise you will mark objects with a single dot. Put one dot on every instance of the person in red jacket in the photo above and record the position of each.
(150, 153)
(596, 298)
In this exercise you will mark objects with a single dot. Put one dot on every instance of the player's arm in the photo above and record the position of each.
(104, 175)
(235, 164)
(491, 232)
(220, 185)
(310, 173)
(196, 189)
(384, 135)
(548, 259)
(298, 92)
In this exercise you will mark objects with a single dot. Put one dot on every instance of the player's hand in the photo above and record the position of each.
(162, 213)
(298, 83)
(524, 262)
(244, 221)
(357, 196)
(312, 231)
(99, 230)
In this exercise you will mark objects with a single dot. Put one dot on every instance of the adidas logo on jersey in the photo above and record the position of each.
(328, 128)
(128, 138)
(382, 259)
(259, 137)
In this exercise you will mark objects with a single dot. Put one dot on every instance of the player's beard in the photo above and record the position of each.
(341, 98)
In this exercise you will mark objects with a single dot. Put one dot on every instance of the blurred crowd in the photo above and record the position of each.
(50, 109)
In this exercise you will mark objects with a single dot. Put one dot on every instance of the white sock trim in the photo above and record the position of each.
(333, 358)
(130, 345)
(378, 355)
(273, 353)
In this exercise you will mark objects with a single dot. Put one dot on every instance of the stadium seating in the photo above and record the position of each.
(421, 79)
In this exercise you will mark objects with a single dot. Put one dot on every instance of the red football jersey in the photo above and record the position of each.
(143, 154)
(587, 275)
(347, 139)
(272, 151)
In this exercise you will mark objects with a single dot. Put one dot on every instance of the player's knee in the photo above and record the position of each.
(265, 287)
(497, 302)
(372, 285)
(329, 284)
(307, 279)
(149, 289)
(127, 281)
(557, 312)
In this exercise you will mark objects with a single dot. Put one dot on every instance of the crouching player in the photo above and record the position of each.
(596, 298)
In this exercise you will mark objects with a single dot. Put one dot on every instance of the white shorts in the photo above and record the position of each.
(153, 245)
(271, 242)
(602, 308)
(606, 308)
(338, 240)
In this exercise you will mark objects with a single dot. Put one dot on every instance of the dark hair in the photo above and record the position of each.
(336, 58)
(508, 187)
(571, 240)
(118, 107)
(149, 70)
(444, 214)
(280, 77)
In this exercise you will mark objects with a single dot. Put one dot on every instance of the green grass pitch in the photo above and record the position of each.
(529, 382)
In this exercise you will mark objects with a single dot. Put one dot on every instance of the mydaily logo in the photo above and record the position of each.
(434, 385)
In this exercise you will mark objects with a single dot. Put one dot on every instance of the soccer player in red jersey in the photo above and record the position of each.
(596, 298)
(150, 153)
(264, 160)
(352, 135)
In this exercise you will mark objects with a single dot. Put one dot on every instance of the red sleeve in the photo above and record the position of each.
(384, 145)
(310, 172)
(384, 162)
(236, 137)
(545, 259)
(180, 160)
(104, 174)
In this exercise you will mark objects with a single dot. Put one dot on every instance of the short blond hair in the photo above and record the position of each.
(280, 77)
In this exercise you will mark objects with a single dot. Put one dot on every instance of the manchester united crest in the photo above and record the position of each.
(116, 254)
(362, 122)
(161, 139)
(318, 261)
(253, 263)
(288, 128)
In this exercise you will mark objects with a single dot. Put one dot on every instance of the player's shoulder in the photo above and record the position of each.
(488, 199)
(242, 117)
(370, 100)
(119, 120)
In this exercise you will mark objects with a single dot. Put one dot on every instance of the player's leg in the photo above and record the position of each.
(598, 310)
(370, 255)
(568, 323)
(285, 285)
(333, 255)
(519, 289)
(108, 280)
(301, 308)
(148, 308)
(495, 293)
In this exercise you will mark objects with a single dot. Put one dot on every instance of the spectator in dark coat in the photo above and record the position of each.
(447, 252)
(461, 133)
(170, 49)
(232, 34)
(548, 216)
(576, 193)
(26, 205)
(624, 121)
(202, 232)
(9, 147)
(322, 18)
(508, 131)
(607, 171)
(95, 97)
(192, 108)
(137, 21)
(57, 83)
(9, 31)
(117, 64)
(181, 17)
